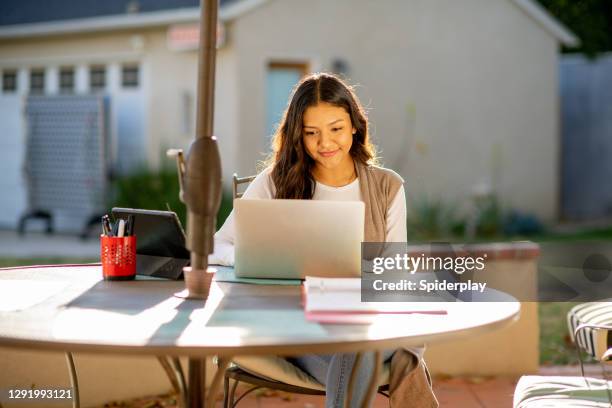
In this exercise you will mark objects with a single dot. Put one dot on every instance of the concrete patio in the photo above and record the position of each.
(40, 245)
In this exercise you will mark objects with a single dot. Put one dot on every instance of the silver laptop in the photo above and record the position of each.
(291, 239)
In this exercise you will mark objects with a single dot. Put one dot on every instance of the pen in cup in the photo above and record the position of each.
(129, 226)
(121, 228)
(118, 248)
(107, 226)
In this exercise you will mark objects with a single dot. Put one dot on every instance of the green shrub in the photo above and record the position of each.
(490, 218)
(434, 219)
(431, 219)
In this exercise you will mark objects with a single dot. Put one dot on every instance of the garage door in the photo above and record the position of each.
(12, 183)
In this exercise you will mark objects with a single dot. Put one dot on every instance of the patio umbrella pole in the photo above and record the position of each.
(202, 179)
(202, 189)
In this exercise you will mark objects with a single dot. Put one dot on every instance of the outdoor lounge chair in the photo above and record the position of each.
(589, 317)
(590, 327)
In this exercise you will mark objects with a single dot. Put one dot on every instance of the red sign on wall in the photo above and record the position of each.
(186, 37)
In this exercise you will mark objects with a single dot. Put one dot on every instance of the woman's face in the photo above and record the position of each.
(328, 136)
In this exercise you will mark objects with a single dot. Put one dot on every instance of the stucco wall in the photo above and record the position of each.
(175, 75)
(459, 93)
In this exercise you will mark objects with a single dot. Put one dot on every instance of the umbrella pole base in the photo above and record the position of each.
(197, 283)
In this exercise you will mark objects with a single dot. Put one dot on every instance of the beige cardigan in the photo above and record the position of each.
(378, 188)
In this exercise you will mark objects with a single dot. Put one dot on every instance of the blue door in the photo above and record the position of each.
(280, 80)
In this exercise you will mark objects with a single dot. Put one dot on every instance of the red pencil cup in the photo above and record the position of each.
(118, 257)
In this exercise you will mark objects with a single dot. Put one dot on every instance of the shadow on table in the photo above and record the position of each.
(125, 297)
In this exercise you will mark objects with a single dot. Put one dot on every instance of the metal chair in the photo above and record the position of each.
(239, 374)
(237, 181)
(590, 326)
(586, 323)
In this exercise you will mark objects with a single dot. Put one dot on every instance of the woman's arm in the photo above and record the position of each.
(260, 188)
(396, 218)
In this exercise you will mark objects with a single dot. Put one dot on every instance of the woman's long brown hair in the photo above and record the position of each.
(291, 172)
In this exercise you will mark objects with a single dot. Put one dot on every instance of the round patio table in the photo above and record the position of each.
(71, 308)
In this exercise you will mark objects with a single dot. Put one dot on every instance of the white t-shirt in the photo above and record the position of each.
(263, 188)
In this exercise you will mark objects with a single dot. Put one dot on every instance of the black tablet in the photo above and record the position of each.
(160, 242)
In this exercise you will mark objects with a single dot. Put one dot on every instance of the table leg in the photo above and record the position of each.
(74, 381)
(197, 382)
(178, 370)
(196, 392)
(222, 364)
(172, 367)
(170, 374)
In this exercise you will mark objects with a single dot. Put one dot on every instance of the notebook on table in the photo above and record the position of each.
(338, 300)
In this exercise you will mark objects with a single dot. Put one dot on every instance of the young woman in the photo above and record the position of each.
(322, 151)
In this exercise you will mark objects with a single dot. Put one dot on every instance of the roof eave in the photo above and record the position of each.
(228, 12)
(123, 22)
(563, 34)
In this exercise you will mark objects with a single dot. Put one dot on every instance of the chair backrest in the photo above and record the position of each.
(590, 326)
(236, 181)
